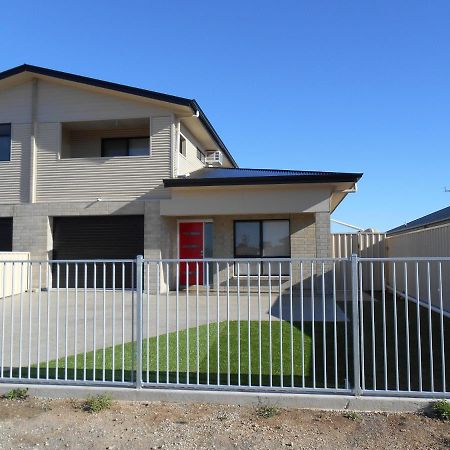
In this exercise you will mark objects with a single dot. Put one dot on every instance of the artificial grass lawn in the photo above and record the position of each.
(374, 367)
(182, 366)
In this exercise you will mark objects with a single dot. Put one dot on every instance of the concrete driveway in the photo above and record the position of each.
(74, 321)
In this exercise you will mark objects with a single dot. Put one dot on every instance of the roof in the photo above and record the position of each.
(221, 176)
(434, 218)
(190, 103)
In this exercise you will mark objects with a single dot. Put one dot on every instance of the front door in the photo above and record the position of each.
(191, 247)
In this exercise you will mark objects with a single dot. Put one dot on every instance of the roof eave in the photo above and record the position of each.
(96, 83)
(167, 98)
(243, 181)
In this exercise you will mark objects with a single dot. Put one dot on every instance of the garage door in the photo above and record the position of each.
(99, 237)
(6, 226)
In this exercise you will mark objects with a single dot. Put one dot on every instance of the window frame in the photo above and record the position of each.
(261, 243)
(10, 141)
(202, 159)
(181, 147)
(128, 139)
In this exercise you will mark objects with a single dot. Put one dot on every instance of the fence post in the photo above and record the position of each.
(138, 323)
(355, 327)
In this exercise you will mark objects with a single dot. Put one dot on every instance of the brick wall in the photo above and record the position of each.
(305, 236)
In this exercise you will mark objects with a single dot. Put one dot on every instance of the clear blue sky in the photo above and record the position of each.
(330, 85)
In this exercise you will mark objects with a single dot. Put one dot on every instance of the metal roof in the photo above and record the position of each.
(190, 103)
(221, 176)
(434, 218)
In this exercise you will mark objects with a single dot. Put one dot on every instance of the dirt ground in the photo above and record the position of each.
(37, 423)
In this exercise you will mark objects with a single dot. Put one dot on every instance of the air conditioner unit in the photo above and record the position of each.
(214, 158)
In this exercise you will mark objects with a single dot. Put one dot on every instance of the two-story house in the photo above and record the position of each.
(93, 169)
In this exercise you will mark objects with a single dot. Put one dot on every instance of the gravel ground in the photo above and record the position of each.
(37, 423)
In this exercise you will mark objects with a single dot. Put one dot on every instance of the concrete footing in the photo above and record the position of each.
(281, 400)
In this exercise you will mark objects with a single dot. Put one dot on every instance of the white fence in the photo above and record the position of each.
(279, 324)
(13, 276)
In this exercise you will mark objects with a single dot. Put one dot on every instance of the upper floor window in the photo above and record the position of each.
(182, 145)
(200, 155)
(105, 138)
(5, 142)
(134, 146)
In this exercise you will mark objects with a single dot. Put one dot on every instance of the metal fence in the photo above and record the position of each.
(298, 325)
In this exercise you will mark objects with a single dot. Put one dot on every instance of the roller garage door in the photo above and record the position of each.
(6, 227)
(97, 237)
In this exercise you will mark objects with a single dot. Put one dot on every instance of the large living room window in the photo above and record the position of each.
(262, 239)
(5, 141)
(135, 146)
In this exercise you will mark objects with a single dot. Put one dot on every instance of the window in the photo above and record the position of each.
(247, 239)
(135, 146)
(5, 142)
(182, 145)
(200, 155)
(138, 146)
(262, 239)
(275, 239)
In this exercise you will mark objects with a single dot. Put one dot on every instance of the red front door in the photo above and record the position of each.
(191, 247)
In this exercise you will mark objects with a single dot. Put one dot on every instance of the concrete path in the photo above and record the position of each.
(74, 322)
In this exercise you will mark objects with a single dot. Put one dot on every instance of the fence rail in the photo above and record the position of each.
(355, 325)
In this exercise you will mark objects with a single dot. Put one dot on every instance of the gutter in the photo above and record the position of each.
(207, 124)
(238, 181)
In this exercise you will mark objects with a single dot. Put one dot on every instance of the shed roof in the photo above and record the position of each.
(436, 217)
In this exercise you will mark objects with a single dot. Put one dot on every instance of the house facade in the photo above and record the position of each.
(96, 170)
